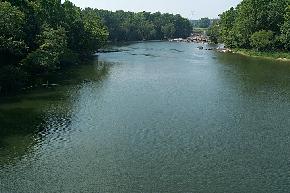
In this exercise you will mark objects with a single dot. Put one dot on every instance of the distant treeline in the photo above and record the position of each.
(39, 37)
(129, 26)
(203, 22)
(263, 25)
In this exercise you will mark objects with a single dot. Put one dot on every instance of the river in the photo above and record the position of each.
(156, 117)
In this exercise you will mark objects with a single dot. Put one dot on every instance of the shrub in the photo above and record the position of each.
(262, 40)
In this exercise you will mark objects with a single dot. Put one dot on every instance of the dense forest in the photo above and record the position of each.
(262, 25)
(129, 26)
(39, 37)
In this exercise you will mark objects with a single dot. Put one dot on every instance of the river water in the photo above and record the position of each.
(156, 117)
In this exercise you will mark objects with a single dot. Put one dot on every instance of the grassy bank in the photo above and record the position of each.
(283, 56)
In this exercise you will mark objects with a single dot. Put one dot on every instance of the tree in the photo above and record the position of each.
(183, 27)
(262, 40)
(38, 37)
(214, 33)
(73, 24)
(95, 33)
(204, 22)
(145, 28)
(226, 24)
(276, 14)
(243, 26)
(12, 46)
(52, 46)
(51, 12)
(285, 30)
(168, 30)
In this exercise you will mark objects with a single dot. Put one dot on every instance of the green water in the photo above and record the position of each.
(157, 117)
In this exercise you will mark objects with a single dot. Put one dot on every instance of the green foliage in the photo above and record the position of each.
(214, 33)
(226, 25)
(183, 26)
(285, 30)
(12, 46)
(12, 20)
(262, 40)
(275, 15)
(95, 33)
(204, 22)
(11, 34)
(52, 45)
(129, 26)
(168, 30)
(74, 25)
(36, 37)
(247, 24)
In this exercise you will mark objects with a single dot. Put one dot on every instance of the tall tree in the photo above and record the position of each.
(12, 46)
(52, 45)
(285, 30)
(226, 25)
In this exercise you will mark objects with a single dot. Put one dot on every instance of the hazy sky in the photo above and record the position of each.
(193, 9)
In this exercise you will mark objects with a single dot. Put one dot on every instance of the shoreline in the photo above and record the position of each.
(277, 56)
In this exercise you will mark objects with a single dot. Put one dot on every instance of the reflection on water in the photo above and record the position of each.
(258, 72)
(156, 117)
(28, 119)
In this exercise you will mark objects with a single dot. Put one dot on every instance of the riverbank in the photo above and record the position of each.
(281, 56)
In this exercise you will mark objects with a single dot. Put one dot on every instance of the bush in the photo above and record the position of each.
(262, 40)
(52, 45)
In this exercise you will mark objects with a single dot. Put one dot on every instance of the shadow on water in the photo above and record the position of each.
(255, 74)
(23, 118)
(18, 127)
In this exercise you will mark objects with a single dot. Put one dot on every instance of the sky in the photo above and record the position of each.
(192, 9)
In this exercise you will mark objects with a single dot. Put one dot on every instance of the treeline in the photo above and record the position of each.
(38, 37)
(203, 22)
(263, 25)
(129, 26)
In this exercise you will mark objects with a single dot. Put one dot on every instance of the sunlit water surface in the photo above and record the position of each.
(156, 117)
